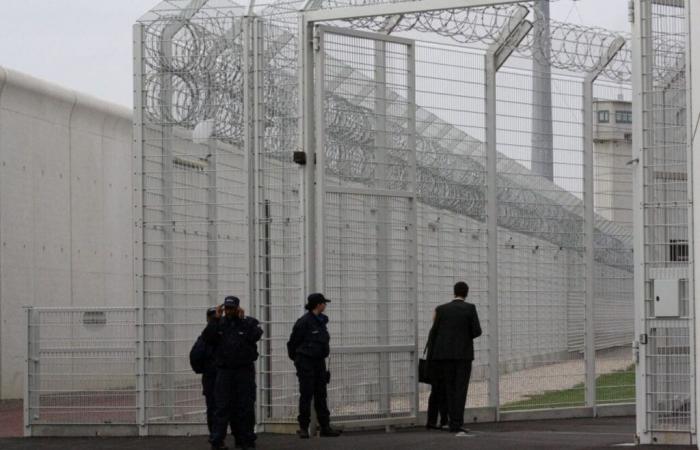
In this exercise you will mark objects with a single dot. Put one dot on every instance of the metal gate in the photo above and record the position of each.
(366, 241)
(663, 286)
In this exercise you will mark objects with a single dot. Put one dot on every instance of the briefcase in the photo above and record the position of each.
(424, 371)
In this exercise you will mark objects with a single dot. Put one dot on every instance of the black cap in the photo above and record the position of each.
(313, 300)
(232, 302)
(211, 311)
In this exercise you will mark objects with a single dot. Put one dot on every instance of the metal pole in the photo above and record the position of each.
(318, 126)
(28, 376)
(512, 33)
(250, 119)
(383, 222)
(693, 75)
(306, 144)
(640, 76)
(259, 130)
(691, 112)
(589, 348)
(413, 232)
(138, 228)
(168, 224)
(542, 145)
(588, 230)
(492, 228)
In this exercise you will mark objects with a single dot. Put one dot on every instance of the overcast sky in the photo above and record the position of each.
(86, 45)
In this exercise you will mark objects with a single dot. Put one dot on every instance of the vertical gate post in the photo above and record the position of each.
(510, 36)
(694, 140)
(589, 220)
(413, 231)
(28, 375)
(138, 230)
(383, 218)
(640, 78)
(692, 107)
(588, 230)
(491, 230)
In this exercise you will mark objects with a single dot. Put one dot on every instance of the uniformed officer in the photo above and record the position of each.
(209, 376)
(308, 347)
(236, 337)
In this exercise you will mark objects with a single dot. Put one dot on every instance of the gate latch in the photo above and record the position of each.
(643, 338)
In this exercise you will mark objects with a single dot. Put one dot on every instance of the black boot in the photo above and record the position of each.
(303, 433)
(330, 432)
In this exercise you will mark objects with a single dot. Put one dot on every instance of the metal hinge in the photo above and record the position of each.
(317, 42)
(643, 338)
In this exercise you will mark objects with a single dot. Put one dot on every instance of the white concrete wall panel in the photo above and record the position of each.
(65, 208)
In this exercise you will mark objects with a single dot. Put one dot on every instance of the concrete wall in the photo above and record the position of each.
(65, 208)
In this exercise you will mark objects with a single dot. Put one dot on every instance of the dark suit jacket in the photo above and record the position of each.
(455, 327)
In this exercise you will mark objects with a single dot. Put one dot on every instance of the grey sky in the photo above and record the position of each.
(86, 44)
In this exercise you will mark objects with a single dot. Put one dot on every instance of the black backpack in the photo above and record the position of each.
(198, 356)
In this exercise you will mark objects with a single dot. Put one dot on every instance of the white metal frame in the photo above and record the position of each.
(589, 218)
(497, 54)
(138, 230)
(693, 74)
(321, 190)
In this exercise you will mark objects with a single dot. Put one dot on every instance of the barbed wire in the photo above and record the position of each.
(564, 46)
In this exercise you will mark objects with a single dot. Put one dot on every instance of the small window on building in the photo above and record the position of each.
(628, 136)
(603, 116)
(679, 250)
(623, 116)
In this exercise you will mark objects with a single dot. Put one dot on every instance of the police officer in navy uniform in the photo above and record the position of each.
(209, 376)
(308, 347)
(235, 337)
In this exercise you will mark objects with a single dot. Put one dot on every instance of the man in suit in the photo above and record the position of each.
(451, 351)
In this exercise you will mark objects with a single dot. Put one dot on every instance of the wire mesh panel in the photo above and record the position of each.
(195, 182)
(613, 308)
(541, 264)
(451, 192)
(279, 231)
(81, 367)
(368, 230)
(667, 340)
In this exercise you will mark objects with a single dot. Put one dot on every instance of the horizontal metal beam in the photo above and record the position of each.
(364, 34)
(390, 9)
(373, 349)
(369, 191)
(675, 3)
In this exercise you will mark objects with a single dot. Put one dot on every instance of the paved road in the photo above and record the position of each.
(577, 434)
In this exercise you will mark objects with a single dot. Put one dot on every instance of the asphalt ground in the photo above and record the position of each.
(573, 434)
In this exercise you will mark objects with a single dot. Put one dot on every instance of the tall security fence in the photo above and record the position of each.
(665, 326)
(379, 152)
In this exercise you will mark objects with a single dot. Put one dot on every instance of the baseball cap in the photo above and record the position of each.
(315, 299)
(232, 302)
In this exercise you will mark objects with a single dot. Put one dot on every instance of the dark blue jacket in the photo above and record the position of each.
(310, 337)
(235, 340)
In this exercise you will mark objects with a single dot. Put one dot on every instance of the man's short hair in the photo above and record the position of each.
(461, 289)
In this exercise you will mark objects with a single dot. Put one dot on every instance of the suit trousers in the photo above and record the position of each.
(453, 375)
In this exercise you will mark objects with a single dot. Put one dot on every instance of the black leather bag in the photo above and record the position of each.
(424, 371)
